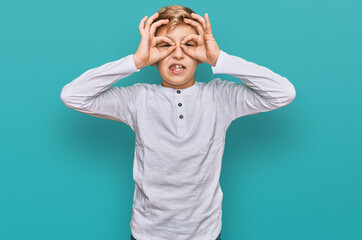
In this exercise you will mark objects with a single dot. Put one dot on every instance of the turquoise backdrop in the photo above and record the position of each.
(289, 174)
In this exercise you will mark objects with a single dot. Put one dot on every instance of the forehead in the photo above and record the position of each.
(180, 31)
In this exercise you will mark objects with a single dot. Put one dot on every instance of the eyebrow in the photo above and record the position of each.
(172, 38)
(181, 38)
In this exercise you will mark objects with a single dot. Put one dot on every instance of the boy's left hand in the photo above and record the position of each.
(207, 49)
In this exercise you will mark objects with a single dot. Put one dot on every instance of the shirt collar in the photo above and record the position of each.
(173, 91)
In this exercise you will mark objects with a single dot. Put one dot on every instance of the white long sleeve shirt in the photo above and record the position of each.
(180, 138)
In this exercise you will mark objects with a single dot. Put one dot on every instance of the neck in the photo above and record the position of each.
(182, 86)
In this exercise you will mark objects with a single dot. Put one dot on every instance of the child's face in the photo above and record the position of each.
(186, 77)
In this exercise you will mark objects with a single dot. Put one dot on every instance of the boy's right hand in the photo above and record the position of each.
(147, 52)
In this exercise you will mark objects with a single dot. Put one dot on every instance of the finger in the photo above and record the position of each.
(164, 54)
(157, 24)
(149, 21)
(141, 27)
(188, 52)
(199, 18)
(160, 39)
(196, 24)
(208, 24)
(193, 37)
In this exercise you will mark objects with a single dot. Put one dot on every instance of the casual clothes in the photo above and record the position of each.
(180, 138)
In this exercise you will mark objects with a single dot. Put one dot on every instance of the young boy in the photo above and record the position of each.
(180, 125)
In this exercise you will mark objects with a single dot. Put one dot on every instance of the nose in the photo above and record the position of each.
(178, 53)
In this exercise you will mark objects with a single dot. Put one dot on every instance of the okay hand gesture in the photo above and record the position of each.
(207, 49)
(147, 52)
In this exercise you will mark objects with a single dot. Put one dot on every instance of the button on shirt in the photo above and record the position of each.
(180, 138)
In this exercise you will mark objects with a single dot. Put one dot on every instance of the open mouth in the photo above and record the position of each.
(177, 68)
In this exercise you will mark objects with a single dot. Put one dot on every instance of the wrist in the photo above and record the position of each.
(137, 62)
(213, 63)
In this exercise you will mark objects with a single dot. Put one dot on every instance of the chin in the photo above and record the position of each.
(177, 83)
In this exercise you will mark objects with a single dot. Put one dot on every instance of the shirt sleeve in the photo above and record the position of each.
(91, 93)
(263, 90)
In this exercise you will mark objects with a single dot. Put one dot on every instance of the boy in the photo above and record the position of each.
(180, 125)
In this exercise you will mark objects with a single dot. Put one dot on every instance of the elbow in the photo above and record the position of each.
(288, 96)
(74, 100)
(65, 97)
(291, 93)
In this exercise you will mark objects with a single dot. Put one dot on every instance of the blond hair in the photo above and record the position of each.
(175, 14)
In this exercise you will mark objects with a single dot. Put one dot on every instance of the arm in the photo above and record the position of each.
(263, 90)
(92, 94)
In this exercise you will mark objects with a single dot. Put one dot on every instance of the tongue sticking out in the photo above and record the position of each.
(173, 68)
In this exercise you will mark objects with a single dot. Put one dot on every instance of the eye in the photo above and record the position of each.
(163, 45)
(191, 44)
(187, 44)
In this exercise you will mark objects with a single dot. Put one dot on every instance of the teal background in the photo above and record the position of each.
(293, 173)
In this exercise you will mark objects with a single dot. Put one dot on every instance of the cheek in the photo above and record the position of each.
(161, 65)
(193, 66)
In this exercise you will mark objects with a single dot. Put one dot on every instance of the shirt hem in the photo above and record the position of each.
(213, 235)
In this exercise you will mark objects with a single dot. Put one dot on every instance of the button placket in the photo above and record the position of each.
(180, 111)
